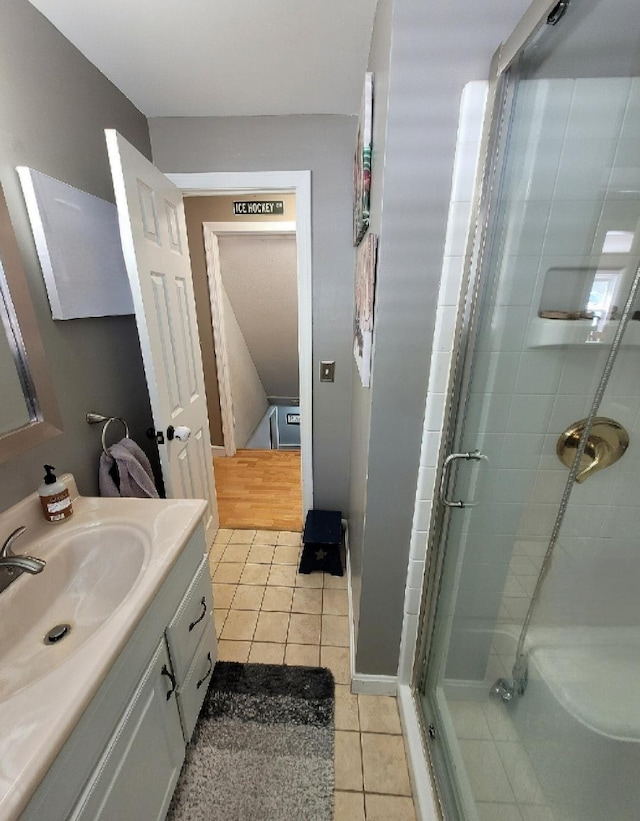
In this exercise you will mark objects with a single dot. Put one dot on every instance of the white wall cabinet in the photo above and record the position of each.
(124, 757)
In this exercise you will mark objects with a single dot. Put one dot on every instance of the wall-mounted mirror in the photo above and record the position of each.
(29, 411)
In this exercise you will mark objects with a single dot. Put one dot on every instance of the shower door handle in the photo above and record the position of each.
(471, 456)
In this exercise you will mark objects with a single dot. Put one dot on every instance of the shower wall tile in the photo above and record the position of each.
(452, 270)
(457, 228)
(426, 480)
(445, 326)
(422, 515)
(418, 544)
(434, 413)
(439, 371)
(597, 108)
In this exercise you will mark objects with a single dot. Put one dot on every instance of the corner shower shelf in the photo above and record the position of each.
(556, 333)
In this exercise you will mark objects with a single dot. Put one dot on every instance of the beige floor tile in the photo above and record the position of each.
(286, 554)
(282, 575)
(346, 716)
(266, 653)
(288, 537)
(272, 627)
(389, 808)
(310, 580)
(335, 602)
(278, 599)
(337, 660)
(248, 597)
(304, 629)
(305, 655)
(213, 566)
(335, 631)
(242, 536)
(348, 806)
(384, 764)
(228, 573)
(215, 554)
(348, 761)
(379, 714)
(233, 650)
(218, 619)
(255, 574)
(261, 554)
(240, 625)
(223, 595)
(222, 536)
(306, 600)
(266, 537)
(236, 553)
(335, 582)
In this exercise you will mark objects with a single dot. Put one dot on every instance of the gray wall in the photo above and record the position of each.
(260, 275)
(324, 144)
(430, 51)
(54, 106)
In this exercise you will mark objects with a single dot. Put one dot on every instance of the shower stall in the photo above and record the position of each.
(529, 651)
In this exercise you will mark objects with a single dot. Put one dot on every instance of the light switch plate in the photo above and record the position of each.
(327, 370)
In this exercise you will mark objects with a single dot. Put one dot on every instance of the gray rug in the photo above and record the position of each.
(262, 748)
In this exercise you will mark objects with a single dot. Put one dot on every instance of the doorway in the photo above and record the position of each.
(244, 185)
(252, 277)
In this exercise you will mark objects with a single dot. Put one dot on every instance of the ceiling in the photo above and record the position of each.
(224, 57)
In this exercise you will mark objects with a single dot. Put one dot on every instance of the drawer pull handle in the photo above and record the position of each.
(207, 674)
(166, 672)
(203, 604)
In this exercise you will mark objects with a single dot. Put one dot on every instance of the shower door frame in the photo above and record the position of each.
(476, 276)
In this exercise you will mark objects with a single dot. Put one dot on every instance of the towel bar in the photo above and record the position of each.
(97, 418)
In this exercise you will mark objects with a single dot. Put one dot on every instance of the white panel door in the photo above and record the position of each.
(154, 242)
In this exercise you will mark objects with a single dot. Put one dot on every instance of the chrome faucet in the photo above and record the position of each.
(11, 562)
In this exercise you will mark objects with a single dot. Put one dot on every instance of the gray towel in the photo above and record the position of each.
(134, 470)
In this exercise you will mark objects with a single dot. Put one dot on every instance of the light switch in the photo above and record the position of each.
(327, 371)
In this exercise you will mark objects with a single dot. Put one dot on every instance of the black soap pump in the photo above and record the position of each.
(54, 497)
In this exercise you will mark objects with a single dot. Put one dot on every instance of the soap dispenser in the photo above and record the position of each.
(54, 497)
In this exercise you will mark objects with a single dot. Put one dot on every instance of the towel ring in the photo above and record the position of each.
(96, 418)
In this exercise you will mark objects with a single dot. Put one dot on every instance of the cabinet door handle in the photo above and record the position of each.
(166, 672)
(207, 674)
(203, 604)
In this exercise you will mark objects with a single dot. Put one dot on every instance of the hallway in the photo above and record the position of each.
(259, 489)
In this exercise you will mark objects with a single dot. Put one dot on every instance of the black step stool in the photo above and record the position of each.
(321, 537)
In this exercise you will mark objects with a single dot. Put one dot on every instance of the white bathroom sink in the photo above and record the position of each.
(104, 566)
(89, 571)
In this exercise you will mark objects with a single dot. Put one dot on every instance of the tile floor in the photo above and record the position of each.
(266, 612)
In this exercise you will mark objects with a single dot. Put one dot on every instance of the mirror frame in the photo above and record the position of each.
(48, 421)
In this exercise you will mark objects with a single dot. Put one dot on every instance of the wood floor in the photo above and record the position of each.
(259, 489)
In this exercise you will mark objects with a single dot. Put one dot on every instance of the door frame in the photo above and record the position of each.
(299, 183)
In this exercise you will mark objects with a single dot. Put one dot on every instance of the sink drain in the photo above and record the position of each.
(57, 633)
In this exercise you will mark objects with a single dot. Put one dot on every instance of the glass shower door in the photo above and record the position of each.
(564, 249)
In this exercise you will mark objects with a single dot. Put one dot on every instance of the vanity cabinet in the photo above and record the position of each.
(142, 763)
(124, 757)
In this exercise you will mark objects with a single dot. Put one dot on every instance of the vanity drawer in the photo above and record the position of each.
(193, 689)
(187, 626)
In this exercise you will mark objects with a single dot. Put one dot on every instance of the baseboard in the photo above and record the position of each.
(374, 685)
(419, 769)
(218, 450)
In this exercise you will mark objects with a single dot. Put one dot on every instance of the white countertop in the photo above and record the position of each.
(36, 721)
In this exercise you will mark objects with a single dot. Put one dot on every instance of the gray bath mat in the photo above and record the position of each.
(262, 749)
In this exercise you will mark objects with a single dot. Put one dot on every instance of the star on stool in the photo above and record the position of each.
(321, 554)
